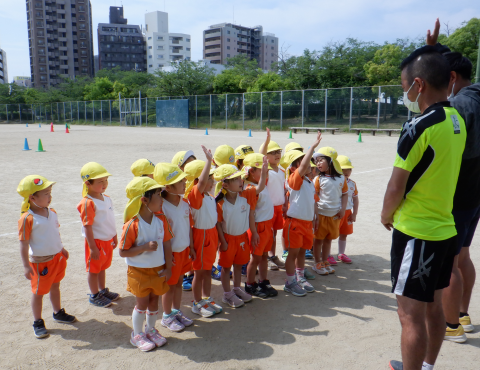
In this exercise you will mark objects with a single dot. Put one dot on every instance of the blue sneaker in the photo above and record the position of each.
(309, 254)
(285, 255)
(216, 272)
(244, 269)
(187, 282)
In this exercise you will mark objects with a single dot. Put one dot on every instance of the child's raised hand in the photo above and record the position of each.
(318, 139)
(265, 163)
(268, 136)
(208, 153)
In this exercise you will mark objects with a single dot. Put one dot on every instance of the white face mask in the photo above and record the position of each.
(450, 97)
(412, 106)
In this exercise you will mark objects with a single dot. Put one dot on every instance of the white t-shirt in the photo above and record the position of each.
(352, 193)
(204, 209)
(179, 219)
(235, 217)
(153, 232)
(103, 226)
(302, 197)
(330, 190)
(44, 236)
(276, 186)
(264, 209)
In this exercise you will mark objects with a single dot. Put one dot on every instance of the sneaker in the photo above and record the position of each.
(155, 337)
(308, 254)
(240, 293)
(172, 323)
(256, 290)
(203, 309)
(99, 300)
(396, 365)
(456, 335)
(285, 255)
(266, 286)
(332, 261)
(467, 324)
(232, 300)
(39, 329)
(216, 273)
(181, 318)
(328, 267)
(343, 258)
(319, 268)
(62, 316)
(187, 282)
(211, 303)
(271, 265)
(110, 295)
(142, 342)
(280, 264)
(295, 289)
(244, 269)
(305, 284)
(308, 275)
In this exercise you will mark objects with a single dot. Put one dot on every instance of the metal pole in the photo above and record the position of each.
(243, 111)
(303, 104)
(196, 116)
(120, 107)
(261, 111)
(31, 108)
(326, 106)
(110, 110)
(146, 112)
(78, 111)
(85, 107)
(58, 113)
(210, 110)
(6, 110)
(140, 106)
(409, 114)
(379, 104)
(101, 111)
(226, 111)
(20, 112)
(351, 108)
(64, 117)
(281, 110)
(93, 111)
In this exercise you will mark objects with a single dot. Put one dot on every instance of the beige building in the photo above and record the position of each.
(226, 40)
(3, 67)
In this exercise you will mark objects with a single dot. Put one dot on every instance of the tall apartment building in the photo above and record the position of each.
(226, 40)
(121, 44)
(3, 67)
(164, 47)
(60, 40)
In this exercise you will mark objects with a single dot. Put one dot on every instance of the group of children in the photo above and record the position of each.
(180, 214)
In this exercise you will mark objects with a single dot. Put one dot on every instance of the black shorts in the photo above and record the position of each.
(466, 224)
(419, 267)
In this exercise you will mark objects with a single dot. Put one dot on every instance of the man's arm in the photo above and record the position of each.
(394, 195)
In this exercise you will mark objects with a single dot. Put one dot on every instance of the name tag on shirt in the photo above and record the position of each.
(456, 124)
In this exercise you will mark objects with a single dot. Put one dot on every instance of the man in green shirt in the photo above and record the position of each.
(418, 206)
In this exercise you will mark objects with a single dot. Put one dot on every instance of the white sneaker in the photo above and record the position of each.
(320, 269)
(217, 308)
(232, 300)
(305, 284)
(329, 267)
(203, 309)
(142, 342)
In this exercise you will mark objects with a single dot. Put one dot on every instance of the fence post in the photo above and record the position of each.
(379, 103)
(64, 118)
(101, 111)
(210, 110)
(85, 106)
(146, 112)
(351, 108)
(6, 110)
(110, 111)
(78, 111)
(409, 114)
(226, 111)
(243, 111)
(261, 111)
(281, 110)
(303, 104)
(196, 115)
(93, 111)
(140, 106)
(71, 112)
(20, 112)
(326, 106)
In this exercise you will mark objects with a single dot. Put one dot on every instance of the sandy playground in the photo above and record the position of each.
(349, 323)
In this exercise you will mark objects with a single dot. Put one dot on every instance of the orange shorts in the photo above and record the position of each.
(205, 243)
(298, 233)
(265, 232)
(328, 228)
(237, 253)
(142, 281)
(278, 217)
(106, 254)
(48, 273)
(181, 265)
(345, 227)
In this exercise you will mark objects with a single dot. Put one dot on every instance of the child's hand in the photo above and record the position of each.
(115, 242)
(318, 139)
(340, 214)
(268, 136)
(352, 218)
(208, 153)
(284, 210)
(28, 272)
(151, 246)
(265, 164)
(223, 246)
(255, 239)
(94, 253)
(167, 273)
(65, 253)
(316, 224)
(193, 254)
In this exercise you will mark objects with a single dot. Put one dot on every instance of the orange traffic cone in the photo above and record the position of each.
(66, 130)
(51, 127)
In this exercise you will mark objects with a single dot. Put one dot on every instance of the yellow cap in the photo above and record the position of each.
(92, 171)
(193, 171)
(224, 154)
(224, 172)
(242, 151)
(290, 157)
(272, 146)
(344, 162)
(180, 158)
(30, 185)
(142, 167)
(293, 146)
(254, 160)
(168, 174)
(135, 190)
(328, 151)
(313, 165)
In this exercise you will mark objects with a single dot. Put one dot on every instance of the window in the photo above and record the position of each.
(42, 60)
(109, 29)
(81, 18)
(150, 65)
(159, 37)
(81, 8)
(84, 62)
(228, 47)
(150, 47)
(272, 47)
(228, 32)
(272, 54)
(41, 42)
(85, 70)
(109, 46)
(188, 40)
(82, 26)
(150, 57)
(40, 33)
(111, 38)
(228, 55)
(160, 65)
(38, 4)
(159, 47)
(83, 52)
(149, 37)
(83, 35)
(159, 56)
(83, 44)
(39, 24)
(273, 41)
(42, 69)
(188, 49)
(228, 40)
(39, 14)
(43, 78)
(41, 51)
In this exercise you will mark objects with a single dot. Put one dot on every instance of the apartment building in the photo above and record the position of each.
(24, 81)
(164, 47)
(226, 40)
(3, 67)
(121, 44)
(60, 40)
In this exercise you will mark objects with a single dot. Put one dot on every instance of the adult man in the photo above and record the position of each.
(418, 205)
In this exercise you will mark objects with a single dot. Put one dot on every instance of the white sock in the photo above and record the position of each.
(300, 273)
(151, 319)
(290, 279)
(138, 317)
(426, 366)
(342, 244)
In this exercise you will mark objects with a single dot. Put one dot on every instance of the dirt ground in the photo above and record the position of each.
(349, 323)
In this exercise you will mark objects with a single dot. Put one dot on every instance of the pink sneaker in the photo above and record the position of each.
(182, 319)
(142, 342)
(343, 258)
(243, 295)
(172, 323)
(332, 261)
(154, 336)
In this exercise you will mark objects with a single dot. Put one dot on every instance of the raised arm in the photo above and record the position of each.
(203, 179)
(263, 176)
(305, 165)
(264, 147)
(433, 37)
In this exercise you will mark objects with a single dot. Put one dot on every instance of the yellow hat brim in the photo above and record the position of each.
(176, 179)
(105, 174)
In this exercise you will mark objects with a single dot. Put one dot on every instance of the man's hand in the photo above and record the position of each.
(151, 247)
(94, 253)
(208, 153)
(433, 37)
(65, 253)
(28, 272)
(268, 137)
(265, 164)
(387, 222)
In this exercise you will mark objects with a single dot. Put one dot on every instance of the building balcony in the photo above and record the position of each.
(63, 57)
(212, 43)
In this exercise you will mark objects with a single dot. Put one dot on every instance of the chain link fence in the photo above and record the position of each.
(343, 108)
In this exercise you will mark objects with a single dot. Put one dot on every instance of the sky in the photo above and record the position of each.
(299, 24)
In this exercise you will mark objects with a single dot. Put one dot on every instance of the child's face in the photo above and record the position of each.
(347, 172)
(312, 173)
(234, 185)
(42, 198)
(178, 188)
(155, 203)
(210, 184)
(255, 174)
(322, 164)
(98, 186)
(274, 157)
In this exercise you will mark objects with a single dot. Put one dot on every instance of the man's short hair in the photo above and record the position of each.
(427, 63)
(459, 64)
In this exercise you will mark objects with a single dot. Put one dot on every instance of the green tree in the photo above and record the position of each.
(239, 74)
(101, 88)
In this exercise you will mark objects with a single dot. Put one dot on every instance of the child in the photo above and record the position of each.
(98, 220)
(145, 245)
(346, 224)
(235, 208)
(299, 222)
(181, 159)
(177, 212)
(276, 190)
(332, 191)
(224, 154)
(43, 255)
(205, 237)
(142, 167)
(240, 153)
(261, 237)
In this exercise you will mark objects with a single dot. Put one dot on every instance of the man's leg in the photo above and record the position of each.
(435, 327)
(452, 295)
(467, 269)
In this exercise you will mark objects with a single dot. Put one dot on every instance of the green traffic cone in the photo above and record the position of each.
(290, 137)
(359, 138)
(40, 146)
